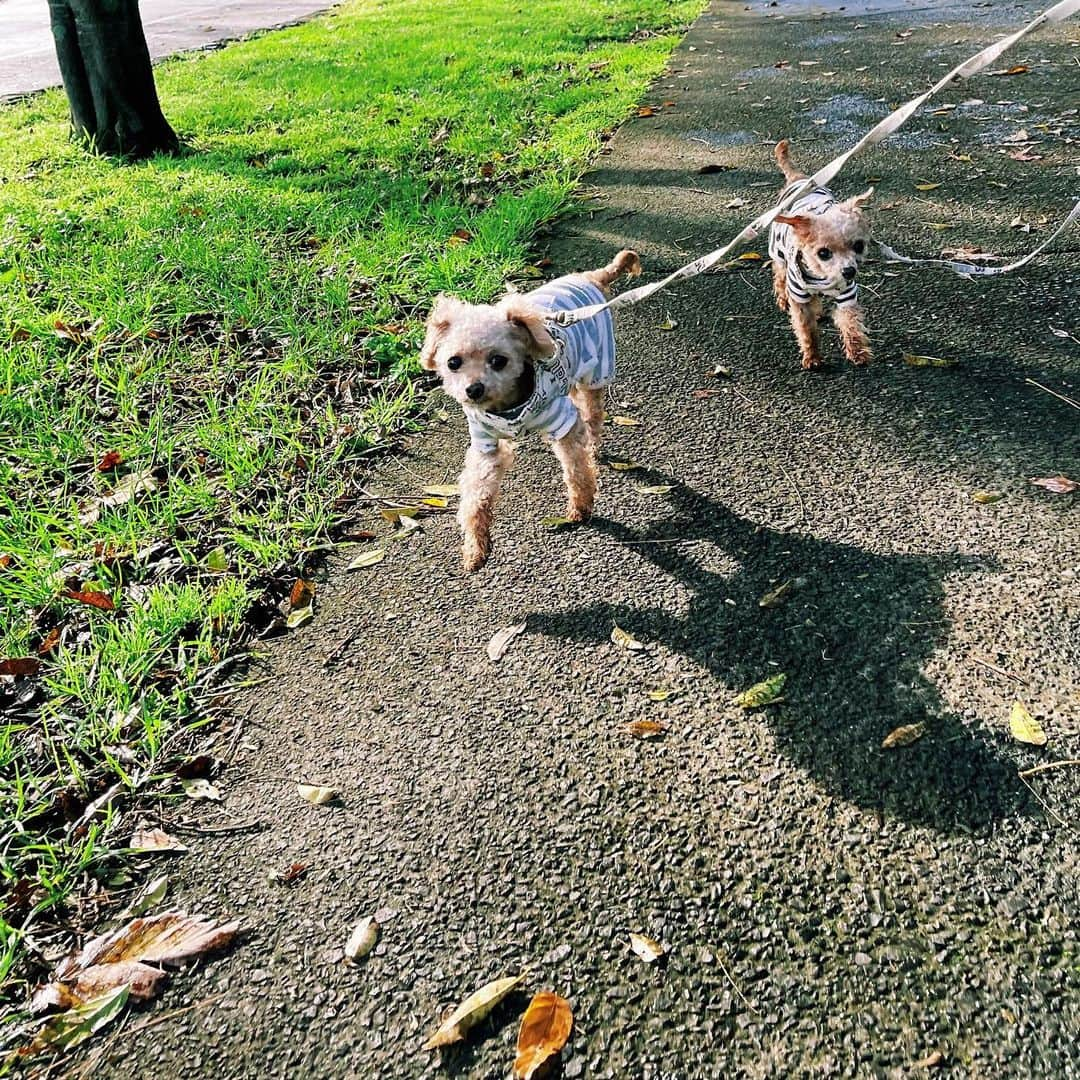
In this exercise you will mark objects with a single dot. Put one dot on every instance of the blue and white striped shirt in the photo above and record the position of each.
(783, 245)
(584, 356)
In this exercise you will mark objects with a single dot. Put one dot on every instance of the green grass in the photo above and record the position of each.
(244, 320)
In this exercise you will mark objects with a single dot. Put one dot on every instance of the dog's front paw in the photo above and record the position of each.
(474, 554)
(578, 512)
(813, 362)
(860, 356)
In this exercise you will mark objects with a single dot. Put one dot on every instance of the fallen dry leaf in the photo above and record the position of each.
(931, 1061)
(927, 186)
(362, 939)
(142, 980)
(49, 642)
(149, 896)
(763, 693)
(1060, 485)
(394, 514)
(775, 597)
(646, 110)
(904, 735)
(661, 694)
(500, 642)
(1016, 69)
(301, 593)
(556, 523)
(472, 1010)
(653, 489)
(750, 256)
(544, 1029)
(986, 496)
(446, 491)
(167, 938)
(76, 1025)
(646, 729)
(316, 794)
(624, 640)
(625, 466)
(92, 598)
(298, 616)
(110, 459)
(927, 361)
(20, 666)
(644, 947)
(154, 840)
(1024, 727)
(626, 421)
(367, 558)
(200, 788)
(668, 324)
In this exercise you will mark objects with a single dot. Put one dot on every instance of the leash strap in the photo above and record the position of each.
(968, 270)
(1058, 13)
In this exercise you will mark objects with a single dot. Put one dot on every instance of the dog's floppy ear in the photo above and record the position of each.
(442, 315)
(856, 202)
(799, 224)
(520, 312)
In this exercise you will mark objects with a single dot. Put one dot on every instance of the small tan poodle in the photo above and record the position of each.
(513, 373)
(816, 250)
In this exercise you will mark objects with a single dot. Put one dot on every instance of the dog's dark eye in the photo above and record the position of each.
(498, 361)
(454, 363)
(824, 254)
(857, 247)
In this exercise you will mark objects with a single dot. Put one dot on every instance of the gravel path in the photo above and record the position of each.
(831, 908)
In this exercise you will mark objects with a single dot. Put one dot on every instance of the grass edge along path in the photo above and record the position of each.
(198, 354)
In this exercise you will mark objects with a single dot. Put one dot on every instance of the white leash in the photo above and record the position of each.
(1058, 13)
(966, 269)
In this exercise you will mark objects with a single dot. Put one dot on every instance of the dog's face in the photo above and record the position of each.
(485, 353)
(833, 245)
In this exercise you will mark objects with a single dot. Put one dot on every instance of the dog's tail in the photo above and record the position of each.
(626, 262)
(784, 161)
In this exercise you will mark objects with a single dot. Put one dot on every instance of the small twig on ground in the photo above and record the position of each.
(248, 826)
(1061, 397)
(153, 1021)
(798, 493)
(1000, 670)
(340, 650)
(734, 984)
(1049, 765)
(1042, 802)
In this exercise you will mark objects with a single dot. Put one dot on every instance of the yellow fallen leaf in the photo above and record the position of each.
(622, 638)
(904, 735)
(556, 523)
(315, 794)
(668, 324)
(763, 693)
(646, 948)
(625, 466)
(927, 361)
(472, 1010)
(626, 421)
(661, 694)
(986, 496)
(394, 514)
(775, 597)
(299, 616)
(925, 186)
(447, 491)
(437, 501)
(367, 558)
(750, 256)
(544, 1029)
(1024, 727)
(653, 489)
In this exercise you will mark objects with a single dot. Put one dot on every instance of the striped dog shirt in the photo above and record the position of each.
(584, 356)
(784, 246)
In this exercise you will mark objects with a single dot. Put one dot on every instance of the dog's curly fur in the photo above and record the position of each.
(485, 355)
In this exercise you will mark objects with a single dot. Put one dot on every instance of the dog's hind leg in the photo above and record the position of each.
(480, 482)
(575, 454)
(848, 319)
(804, 321)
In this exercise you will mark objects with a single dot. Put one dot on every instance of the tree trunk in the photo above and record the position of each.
(105, 65)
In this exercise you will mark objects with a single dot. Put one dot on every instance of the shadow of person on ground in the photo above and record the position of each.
(852, 637)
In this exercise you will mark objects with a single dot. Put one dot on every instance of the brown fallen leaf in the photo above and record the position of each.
(1016, 69)
(168, 938)
(154, 840)
(20, 666)
(1060, 485)
(49, 642)
(142, 980)
(472, 1010)
(646, 110)
(931, 1061)
(646, 729)
(500, 642)
(301, 593)
(109, 460)
(927, 361)
(904, 735)
(545, 1027)
(1024, 727)
(775, 597)
(92, 598)
(646, 948)
(621, 638)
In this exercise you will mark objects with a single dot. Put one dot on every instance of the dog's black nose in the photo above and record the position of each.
(849, 273)
(475, 391)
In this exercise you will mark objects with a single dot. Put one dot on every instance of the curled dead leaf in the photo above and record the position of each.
(647, 729)
(316, 794)
(1059, 485)
(986, 496)
(362, 940)
(763, 693)
(91, 598)
(472, 1010)
(646, 948)
(624, 640)
(625, 466)
(545, 1027)
(626, 421)
(775, 597)
(500, 642)
(200, 788)
(904, 735)
(154, 840)
(77, 1024)
(367, 558)
(20, 666)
